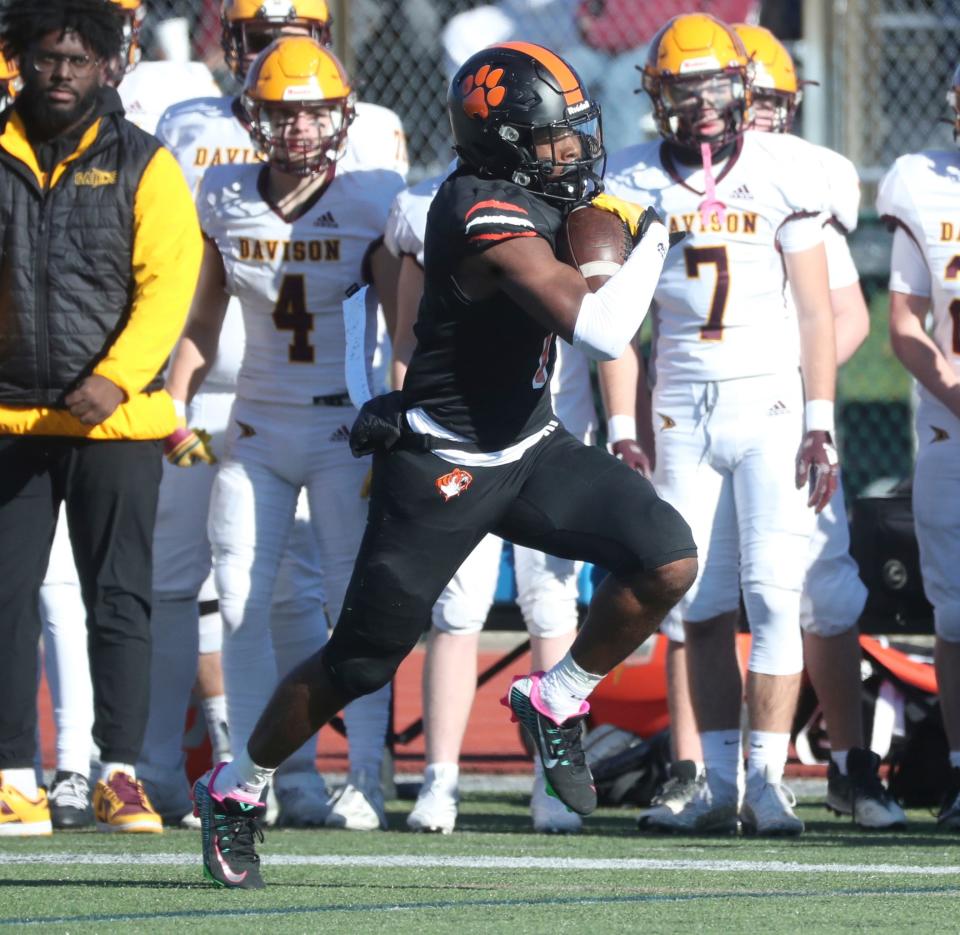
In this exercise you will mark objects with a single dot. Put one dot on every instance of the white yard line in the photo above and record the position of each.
(494, 863)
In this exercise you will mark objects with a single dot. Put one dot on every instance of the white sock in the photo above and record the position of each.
(107, 768)
(566, 686)
(367, 720)
(445, 775)
(839, 757)
(767, 755)
(23, 780)
(954, 759)
(244, 776)
(722, 757)
(215, 715)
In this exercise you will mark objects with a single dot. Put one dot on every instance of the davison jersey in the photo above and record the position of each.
(211, 131)
(721, 307)
(153, 87)
(920, 194)
(481, 367)
(291, 276)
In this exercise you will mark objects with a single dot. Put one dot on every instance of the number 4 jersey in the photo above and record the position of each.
(291, 276)
(721, 307)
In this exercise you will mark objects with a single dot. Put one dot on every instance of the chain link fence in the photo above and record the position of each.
(883, 67)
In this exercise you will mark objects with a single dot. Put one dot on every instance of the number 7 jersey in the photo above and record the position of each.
(290, 276)
(721, 306)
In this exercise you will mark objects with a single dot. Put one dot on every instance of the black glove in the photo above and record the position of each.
(378, 426)
(650, 216)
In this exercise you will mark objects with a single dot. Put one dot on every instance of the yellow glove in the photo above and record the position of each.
(631, 214)
(366, 485)
(185, 447)
(637, 218)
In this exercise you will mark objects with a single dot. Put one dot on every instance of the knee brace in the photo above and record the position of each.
(833, 598)
(776, 646)
(459, 613)
(547, 592)
(946, 621)
(672, 626)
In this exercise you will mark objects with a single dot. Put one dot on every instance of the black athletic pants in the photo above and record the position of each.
(426, 516)
(110, 489)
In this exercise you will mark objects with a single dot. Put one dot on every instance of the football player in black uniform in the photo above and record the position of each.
(471, 444)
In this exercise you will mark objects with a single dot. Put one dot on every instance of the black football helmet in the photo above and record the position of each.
(519, 112)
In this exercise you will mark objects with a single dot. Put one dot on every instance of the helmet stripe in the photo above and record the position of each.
(561, 71)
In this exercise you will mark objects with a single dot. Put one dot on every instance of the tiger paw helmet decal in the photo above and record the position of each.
(453, 484)
(482, 91)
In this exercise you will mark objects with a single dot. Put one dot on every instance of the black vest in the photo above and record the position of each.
(66, 277)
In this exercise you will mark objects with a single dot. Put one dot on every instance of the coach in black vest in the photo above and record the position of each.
(99, 256)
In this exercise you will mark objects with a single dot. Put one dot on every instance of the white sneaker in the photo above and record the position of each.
(549, 814)
(303, 800)
(676, 792)
(767, 809)
(436, 807)
(707, 811)
(358, 806)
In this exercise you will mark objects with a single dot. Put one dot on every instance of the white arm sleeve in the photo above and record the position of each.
(610, 317)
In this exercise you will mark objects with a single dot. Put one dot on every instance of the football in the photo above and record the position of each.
(595, 242)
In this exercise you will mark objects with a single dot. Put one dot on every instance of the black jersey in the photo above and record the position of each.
(481, 368)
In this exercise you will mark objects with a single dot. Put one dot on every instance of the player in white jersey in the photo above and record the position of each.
(729, 400)
(833, 595)
(547, 586)
(203, 133)
(287, 239)
(919, 197)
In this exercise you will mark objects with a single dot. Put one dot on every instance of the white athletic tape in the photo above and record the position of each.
(358, 309)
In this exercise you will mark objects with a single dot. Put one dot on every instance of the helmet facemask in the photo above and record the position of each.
(773, 111)
(301, 138)
(682, 103)
(564, 160)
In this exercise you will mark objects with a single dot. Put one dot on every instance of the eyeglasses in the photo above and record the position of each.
(80, 66)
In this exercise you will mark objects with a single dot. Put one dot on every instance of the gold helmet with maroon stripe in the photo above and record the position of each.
(249, 26)
(9, 81)
(697, 64)
(510, 98)
(134, 12)
(296, 79)
(774, 75)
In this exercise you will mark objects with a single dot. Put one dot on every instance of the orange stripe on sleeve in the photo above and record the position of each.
(509, 235)
(569, 85)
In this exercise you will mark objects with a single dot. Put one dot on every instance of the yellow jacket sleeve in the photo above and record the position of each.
(167, 248)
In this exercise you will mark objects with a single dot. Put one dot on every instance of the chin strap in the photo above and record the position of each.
(710, 203)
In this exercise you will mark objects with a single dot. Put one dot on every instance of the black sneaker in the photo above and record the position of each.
(559, 746)
(861, 794)
(69, 799)
(228, 828)
(949, 816)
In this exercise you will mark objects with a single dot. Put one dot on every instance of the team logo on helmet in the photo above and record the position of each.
(453, 484)
(482, 91)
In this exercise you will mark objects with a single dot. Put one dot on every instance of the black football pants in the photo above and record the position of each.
(110, 490)
(426, 516)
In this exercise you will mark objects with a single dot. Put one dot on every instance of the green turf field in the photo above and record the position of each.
(493, 876)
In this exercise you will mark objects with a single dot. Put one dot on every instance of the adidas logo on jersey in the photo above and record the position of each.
(342, 434)
(326, 220)
(742, 193)
(779, 408)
